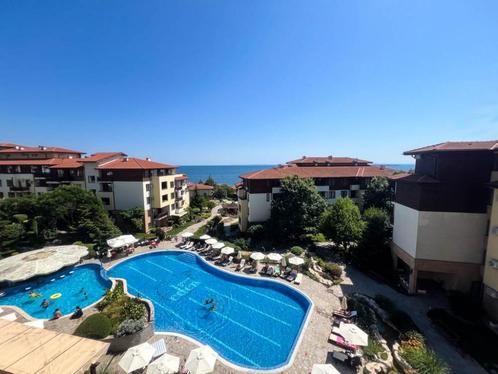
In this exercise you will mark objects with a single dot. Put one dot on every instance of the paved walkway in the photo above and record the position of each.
(416, 307)
(196, 226)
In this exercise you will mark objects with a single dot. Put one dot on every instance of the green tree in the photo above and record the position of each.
(210, 181)
(11, 232)
(131, 220)
(223, 191)
(342, 222)
(373, 249)
(296, 210)
(379, 194)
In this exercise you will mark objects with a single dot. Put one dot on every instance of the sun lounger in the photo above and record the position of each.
(340, 342)
(276, 271)
(263, 270)
(345, 314)
(292, 276)
(227, 261)
(241, 265)
(159, 348)
(286, 272)
(216, 258)
(189, 245)
(299, 278)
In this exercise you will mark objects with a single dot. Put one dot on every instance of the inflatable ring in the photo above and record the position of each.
(56, 296)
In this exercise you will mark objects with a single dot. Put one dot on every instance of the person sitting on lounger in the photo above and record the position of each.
(78, 313)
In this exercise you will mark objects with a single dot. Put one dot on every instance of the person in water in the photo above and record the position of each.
(33, 294)
(85, 294)
(78, 313)
(57, 314)
(45, 303)
(212, 307)
(208, 301)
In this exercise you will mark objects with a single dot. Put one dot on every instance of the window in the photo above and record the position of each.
(344, 193)
(147, 187)
(1, 195)
(148, 200)
(268, 196)
(172, 206)
(164, 185)
(60, 173)
(353, 194)
(165, 197)
(91, 179)
(172, 195)
(171, 184)
(10, 183)
(106, 200)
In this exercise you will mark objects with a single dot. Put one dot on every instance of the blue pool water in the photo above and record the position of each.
(68, 282)
(256, 322)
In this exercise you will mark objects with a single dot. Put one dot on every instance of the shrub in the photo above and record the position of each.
(256, 231)
(424, 361)
(334, 270)
(96, 326)
(111, 296)
(133, 309)
(130, 326)
(242, 243)
(317, 238)
(373, 349)
(296, 250)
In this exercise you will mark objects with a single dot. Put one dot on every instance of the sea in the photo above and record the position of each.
(229, 174)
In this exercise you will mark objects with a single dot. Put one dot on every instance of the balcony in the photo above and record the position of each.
(20, 188)
(242, 194)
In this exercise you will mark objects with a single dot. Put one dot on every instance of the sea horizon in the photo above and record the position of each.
(230, 174)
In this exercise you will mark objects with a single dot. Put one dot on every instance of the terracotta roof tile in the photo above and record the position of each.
(487, 145)
(47, 162)
(181, 177)
(200, 186)
(329, 161)
(24, 149)
(101, 156)
(134, 163)
(67, 163)
(320, 172)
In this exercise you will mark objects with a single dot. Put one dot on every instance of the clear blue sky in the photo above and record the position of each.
(243, 82)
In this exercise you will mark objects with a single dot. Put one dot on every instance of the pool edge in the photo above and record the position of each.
(230, 364)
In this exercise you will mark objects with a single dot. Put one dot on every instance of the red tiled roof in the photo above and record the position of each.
(24, 149)
(9, 145)
(67, 163)
(488, 145)
(48, 162)
(101, 156)
(200, 186)
(181, 177)
(134, 163)
(331, 160)
(320, 172)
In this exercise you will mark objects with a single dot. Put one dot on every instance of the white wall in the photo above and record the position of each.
(405, 228)
(259, 208)
(450, 236)
(443, 236)
(129, 195)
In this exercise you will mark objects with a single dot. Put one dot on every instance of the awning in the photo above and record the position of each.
(121, 241)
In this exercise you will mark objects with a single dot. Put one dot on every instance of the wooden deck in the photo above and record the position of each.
(26, 350)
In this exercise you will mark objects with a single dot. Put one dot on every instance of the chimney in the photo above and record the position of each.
(42, 147)
(125, 159)
(17, 147)
(148, 159)
(330, 157)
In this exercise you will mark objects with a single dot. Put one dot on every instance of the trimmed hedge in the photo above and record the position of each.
(96, 326)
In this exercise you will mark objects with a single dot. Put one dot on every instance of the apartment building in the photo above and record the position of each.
(200, 189)
(442, 217)
(121, 182)
(333, 176)
(490, 277)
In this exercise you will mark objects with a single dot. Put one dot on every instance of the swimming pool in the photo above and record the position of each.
(256, 323)
(68, 282)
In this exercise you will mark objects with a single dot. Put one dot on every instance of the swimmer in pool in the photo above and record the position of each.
(85, 294)
(208, 301)
(212, 308)
(33, 294)
(45, 303)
